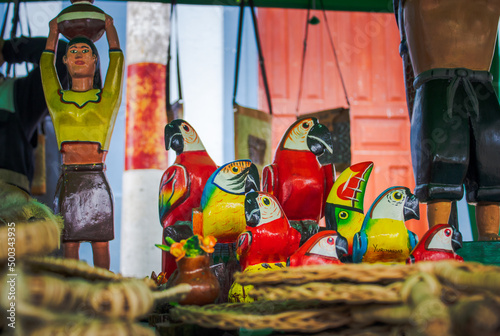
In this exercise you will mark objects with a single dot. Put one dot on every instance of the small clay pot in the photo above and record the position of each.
(196, 272)
(82, 19)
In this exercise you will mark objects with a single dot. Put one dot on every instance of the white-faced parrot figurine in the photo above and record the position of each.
(222, 203)
(267, 242)
(439, 243)
(296, 178)
(268, 237)
(222, 214)
(383, 236)
(324, 248)
(344, 205)
(182, 184)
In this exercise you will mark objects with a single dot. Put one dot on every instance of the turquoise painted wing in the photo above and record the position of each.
(360, 245)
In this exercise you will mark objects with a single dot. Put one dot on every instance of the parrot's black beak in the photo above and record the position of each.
(252, 212)
(319, 140)
(252, 181)
(411, 207)
(173, 138)
(456, 240)
(341, 247)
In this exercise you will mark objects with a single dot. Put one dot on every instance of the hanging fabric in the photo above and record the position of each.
(175, 110)
(252, 128)
(336, 119)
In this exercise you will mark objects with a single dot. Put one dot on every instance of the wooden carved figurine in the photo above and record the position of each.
(296, 175)
(456, 114)
(222, 212)
(439, 243)
(383, 236)
(268, 237)
(222, 215)
(344, 205)
(324, 248)
(83, 118)
(182, 184)
(267, 242)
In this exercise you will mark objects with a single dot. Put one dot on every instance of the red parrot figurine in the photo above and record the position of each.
(268, 238)
(325, 247)
(439, 243)
(296, 174)
(182, 184)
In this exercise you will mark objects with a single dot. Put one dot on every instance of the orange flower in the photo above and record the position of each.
(208, 243)
(177, 251)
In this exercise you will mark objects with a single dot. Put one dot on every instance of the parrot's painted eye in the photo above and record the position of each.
(447, 232)
(305, 125)
(266, 201)
(235, 169)
(186, 128)
(330, 241)
(343, 215)
(398, 196)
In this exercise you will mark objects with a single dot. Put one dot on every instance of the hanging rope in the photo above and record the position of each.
(335, 53)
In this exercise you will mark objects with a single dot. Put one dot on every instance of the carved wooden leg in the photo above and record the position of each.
(71, 250)
(438, 212)
(488, 221)
(101, 254)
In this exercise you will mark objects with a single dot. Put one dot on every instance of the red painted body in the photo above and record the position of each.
(305, 256)
(301, 184)
(198, 166)
(424, 250)
(268, 243)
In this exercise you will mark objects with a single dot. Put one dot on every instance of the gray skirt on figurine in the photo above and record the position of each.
(84, 200)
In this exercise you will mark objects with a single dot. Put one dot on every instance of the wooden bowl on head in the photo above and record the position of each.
(82, 19)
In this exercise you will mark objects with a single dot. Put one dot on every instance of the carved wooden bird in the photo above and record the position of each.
(266, 243)
(383, 236)
(222, 213)
(438, 243)
(325, 247)
(296, 174)
(182, 183)
(268, 237)
(344, 205)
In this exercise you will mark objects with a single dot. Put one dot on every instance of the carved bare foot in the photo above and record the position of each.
(489, 237)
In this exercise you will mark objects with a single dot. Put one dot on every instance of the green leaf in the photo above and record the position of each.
(163, 247)
(169, 241)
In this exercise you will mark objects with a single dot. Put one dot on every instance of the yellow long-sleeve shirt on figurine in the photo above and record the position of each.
(83, 116)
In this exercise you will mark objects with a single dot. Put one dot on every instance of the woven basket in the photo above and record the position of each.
(354, 273)
(262, 315)
(331, 293)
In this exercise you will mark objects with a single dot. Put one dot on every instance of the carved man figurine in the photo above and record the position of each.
(455, 124)
(83, 118)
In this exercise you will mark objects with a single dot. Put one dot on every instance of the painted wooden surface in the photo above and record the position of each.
(483, 252)
(367, 46)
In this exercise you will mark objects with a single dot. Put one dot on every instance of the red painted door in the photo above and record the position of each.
(367, 47)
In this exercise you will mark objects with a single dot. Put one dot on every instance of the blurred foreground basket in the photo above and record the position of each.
(41, 295)
(439, 298)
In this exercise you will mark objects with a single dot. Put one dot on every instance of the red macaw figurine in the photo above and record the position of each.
(439, 243)
(182, 183)
(296, 175)
(325, 247)
(268, 238)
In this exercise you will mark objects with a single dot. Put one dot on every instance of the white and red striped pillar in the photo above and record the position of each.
(148, 30)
